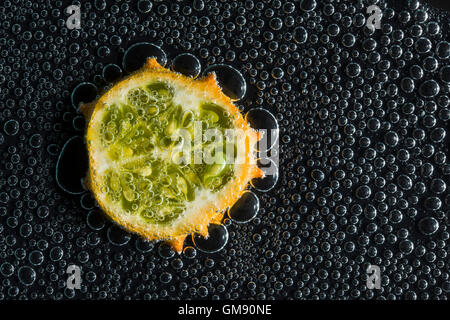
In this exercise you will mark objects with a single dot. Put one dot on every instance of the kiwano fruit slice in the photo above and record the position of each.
(167, 154)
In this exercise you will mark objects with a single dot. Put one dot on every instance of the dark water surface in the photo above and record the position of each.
(363, 118)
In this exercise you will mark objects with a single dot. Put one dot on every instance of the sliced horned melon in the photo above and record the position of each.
(138, 172)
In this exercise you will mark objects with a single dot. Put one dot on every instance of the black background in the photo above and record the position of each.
(277, 267)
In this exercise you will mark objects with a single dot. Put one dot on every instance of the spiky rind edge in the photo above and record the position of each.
(206, 215)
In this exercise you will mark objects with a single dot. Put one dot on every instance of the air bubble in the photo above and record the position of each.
(144, 6)
(308, 5)
(353, 70)
(111, 73)
(190, 252)
(87, 201)
(187, 64)
(85, 92)
(423, 45)
(443, 50)
(53, 149)
(407, 85)
(261, 119)
(95, 220)
(300, 35)
(445, 74)
(6, 269)
(100, 4)
(429, 89)
(36, 257)
(216, 240)
(137, 54)
(363, 192)
(143, 245)
(270, 175)
(36, 140)
(43, 212)
(165, 250)
(118, 236)
(245, 209)
(198, 5)
(26, 275)
(428, 225)
(433, 203)
(229, 79)
(79, 123)
(72, 166)
(11, 127)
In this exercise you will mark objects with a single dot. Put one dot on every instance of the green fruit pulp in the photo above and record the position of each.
(138, 136)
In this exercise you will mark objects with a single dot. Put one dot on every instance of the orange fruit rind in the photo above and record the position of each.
(132, 144)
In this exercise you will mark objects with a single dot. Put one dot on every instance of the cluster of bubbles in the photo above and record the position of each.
(363, 117)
